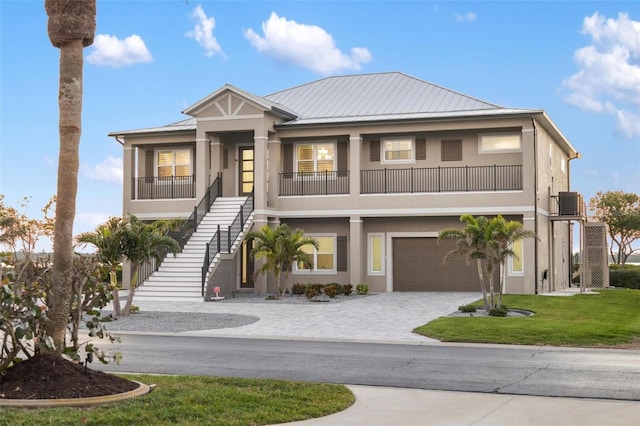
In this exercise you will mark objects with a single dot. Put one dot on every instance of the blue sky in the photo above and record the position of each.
(579, 61)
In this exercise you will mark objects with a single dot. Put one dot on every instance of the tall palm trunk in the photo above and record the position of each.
(71, 27)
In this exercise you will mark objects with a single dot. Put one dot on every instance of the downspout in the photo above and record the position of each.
(535, 203)
(119, 141)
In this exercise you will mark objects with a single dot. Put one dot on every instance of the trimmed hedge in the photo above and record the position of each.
(627, 276)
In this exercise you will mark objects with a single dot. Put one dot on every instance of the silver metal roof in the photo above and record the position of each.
(366, 95)
(178, 126)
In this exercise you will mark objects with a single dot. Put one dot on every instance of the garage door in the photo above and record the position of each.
(417, 266)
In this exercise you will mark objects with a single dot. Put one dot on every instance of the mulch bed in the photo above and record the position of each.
(52, 377)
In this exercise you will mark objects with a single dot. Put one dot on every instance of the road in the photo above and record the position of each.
(540, 371)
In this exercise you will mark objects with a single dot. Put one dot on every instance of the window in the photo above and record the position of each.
(500, 142)
(315, 157)
(173, 163)
(398, 150)
(323, 260)
(376, 254)
(451, 150)
(515, 262)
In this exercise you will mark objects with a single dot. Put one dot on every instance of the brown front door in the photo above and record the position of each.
(246, 170)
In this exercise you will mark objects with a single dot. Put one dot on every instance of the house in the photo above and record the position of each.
(373, 166)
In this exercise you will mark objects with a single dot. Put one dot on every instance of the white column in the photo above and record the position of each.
(355, 250)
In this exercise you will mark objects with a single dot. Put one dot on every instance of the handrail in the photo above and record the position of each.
(227, 236)
(190, 226)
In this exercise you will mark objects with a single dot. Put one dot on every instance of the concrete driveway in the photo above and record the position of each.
(384, 317)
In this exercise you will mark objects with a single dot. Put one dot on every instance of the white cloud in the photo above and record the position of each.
(110, 171)
(465, 17)
(608, 80)
(307, 46)
(109, 51)
(203, 32)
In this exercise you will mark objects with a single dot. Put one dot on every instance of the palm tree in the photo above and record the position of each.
(471, 242)
(281, 248)
(490, 243)
(107, 239)
(142, 243)
(505, 234)
(71, 27)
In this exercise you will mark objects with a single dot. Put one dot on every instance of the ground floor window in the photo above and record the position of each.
(515, 262)
(321, 260)
(376, 254)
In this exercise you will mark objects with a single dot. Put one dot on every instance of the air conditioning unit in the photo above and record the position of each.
(569, 203)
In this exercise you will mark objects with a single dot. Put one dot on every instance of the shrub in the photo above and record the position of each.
(467, 308)
(318, 287)
(310, 292)
(338, 287)
(498, 312)
(362, 289)
(331, 290)
(627, 276)
(298, 289)
(347, 289)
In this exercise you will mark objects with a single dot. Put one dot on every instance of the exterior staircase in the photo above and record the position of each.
(180, 278)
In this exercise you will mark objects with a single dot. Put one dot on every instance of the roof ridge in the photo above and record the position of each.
(330, 78)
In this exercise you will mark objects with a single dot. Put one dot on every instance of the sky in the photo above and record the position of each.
(578, 61)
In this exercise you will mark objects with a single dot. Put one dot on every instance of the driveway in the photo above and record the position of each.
(384, 317)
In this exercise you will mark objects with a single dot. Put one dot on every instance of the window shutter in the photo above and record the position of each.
(374, 150)
(451, 150)
(341, 263)
(343, 159)
(225, 158)
(149, 164)
(287, 158)
(421, 149)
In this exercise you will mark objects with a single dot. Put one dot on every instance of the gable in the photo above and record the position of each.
(229, 105)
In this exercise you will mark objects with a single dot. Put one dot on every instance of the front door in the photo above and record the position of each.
(246, 170)
(246, 274)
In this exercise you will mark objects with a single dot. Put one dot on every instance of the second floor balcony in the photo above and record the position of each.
(170, 187)
(410, 180)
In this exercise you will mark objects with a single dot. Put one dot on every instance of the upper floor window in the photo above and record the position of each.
(398, 150)
(315, 157)
(500, 142)
(173, 162)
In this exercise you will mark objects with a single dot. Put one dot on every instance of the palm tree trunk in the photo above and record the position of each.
(482, 286)
(132, 292)
(113, 277)
(70, 104)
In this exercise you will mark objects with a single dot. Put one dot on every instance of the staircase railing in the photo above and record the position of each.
(183, 234)
(226, 236)
(187, 229)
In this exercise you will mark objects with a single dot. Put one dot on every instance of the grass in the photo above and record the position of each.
(608, 319)
(187, 400)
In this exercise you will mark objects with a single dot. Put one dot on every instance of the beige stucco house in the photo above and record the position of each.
(373, 166)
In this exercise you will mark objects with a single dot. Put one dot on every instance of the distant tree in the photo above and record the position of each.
(281, 248)
(620, 211)
(71, 27)
(21, 232)
(489, 243)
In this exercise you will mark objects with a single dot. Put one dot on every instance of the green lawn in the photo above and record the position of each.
(611, 318)
(186, 400)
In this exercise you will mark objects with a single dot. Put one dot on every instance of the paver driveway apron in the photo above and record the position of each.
(384, 317)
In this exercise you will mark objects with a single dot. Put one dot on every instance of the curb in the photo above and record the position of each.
(142, 389)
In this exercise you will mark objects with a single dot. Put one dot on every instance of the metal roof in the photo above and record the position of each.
(366, 95)
(178, 126)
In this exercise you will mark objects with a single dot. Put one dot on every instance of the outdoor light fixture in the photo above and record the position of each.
(88, 359)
